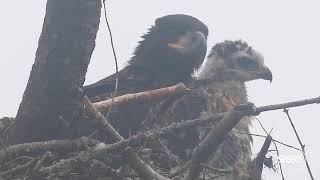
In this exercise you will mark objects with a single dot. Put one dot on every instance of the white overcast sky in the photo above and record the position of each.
(286, 32)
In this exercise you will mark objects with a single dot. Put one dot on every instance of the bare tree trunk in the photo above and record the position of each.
(53, 96)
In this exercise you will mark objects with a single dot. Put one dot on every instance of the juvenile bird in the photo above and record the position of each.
(221, 86)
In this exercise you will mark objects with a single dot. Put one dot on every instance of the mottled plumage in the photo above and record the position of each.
(220, 87)
(168, 54)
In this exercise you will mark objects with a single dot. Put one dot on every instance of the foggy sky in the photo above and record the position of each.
(286, 32)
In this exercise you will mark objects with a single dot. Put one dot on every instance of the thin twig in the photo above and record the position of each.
(47, 155)
(19, 168)
(141, 167)
(277, 150)
(100, 170)
(264, 136)
(261, 124)
(179, 170)
(114, 55)
(34, 148)
(17, 159)
(279, 161)
(258, 135)
(300, 142)
(217, 170)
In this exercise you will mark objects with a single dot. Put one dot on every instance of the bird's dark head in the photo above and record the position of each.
(175, 44)
(235, 60)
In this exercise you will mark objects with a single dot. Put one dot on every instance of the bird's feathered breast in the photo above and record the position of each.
(225, 95)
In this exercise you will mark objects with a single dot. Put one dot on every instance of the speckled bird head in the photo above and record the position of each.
(235, 60)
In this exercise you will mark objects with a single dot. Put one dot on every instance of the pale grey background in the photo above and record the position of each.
(286, 32)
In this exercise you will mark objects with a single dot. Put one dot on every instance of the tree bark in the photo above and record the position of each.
(52, 98)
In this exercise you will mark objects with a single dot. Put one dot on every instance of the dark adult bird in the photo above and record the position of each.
(221, 86)
(168, 54)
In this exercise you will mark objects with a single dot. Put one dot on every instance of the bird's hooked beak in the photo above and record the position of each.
(190, 42)
(266, 74)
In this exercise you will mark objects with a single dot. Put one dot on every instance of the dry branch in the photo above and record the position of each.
(300, 142)
(143, 97)
(66, 166)
(280, 165)
(46, 157)
(277, 141)
(275, 145)
(98, 170)
(288, 105)
(217, 170)
(19, 168)
(179, 170)
(100, 122)
(257, 164)
(140, 167)
(36, 148)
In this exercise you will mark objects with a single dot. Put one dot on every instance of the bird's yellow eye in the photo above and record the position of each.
(248, 64)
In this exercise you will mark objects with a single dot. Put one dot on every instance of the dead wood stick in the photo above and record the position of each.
(102, 124)
(179, 170)
(277, 141)
(217, 170)
(287, 105)
(140, 166)
(142, 96)
(19, 168)
(279, 161)
(212, 141)
(99, 170)
(47, 155)
(36, 148)
(300, 142)
(257, 163)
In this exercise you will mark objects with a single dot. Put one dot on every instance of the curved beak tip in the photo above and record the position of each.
(267, 75)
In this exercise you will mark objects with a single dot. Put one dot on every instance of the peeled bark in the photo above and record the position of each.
(52, 99)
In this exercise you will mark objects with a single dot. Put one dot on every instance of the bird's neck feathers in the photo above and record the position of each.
(143, 51)
(151, 56)
(216, 69)
(219, 81)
